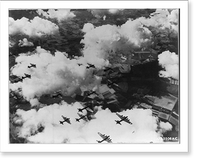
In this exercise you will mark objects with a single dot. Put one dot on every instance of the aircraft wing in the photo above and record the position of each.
(80, 115)
(65, 118)
(68, 120)
(105, 137)
(90, 110)
(127, 120)
(124, 118)
(120, 116)
(83, 117)
(102, 135)
(109, 140)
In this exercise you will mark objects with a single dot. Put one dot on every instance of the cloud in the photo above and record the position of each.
(43, 126)
(114, 11)
(170, 62)
(34, 102)
(165, 126)
(163, 19)
(59, 14)
(36, 27)
(97, 43)
(135, 32)
(174, 19)
(11, 43)
(173, 16)
(48, 117)
(107, 41)
(53, 72)
(25, 43)
(88, 27)
(104, 43)
(98, 13)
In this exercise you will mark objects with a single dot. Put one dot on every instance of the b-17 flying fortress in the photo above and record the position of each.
(65, 119)
(82, 117)
(123, 118)
(26, 76)
(32, 65)
(104, 138)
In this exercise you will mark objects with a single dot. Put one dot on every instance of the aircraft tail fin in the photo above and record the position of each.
(118, 122)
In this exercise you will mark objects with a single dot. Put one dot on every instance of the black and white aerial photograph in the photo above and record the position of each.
(94, 76)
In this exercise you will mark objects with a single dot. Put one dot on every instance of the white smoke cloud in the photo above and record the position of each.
(25, 43)
(173, 16)
(60, 14)
(114, 11)
(174, 19)
(131, 30)
(165, 126)
(11, 43)
(108, 41)
(135, 32)
(169, 61)
(52, 73)
(98, 13)
(87, 27)
(162, 18)
(34, 102)
(36, 27)
(97, 42)
(143, 129)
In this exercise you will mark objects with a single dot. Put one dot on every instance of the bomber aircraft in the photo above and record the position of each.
(104, 138)
(123, 118)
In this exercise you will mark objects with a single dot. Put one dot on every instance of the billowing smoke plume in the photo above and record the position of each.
(109, 41)
(52, 73)
(100, 13)
(165, 126)
(25, 43)
(36, 27)
(169, 61)
(60, 14)
(43, 126)
(101, 45)
(163, 19)
(114, 11)
(87, 27)
(11, 43)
